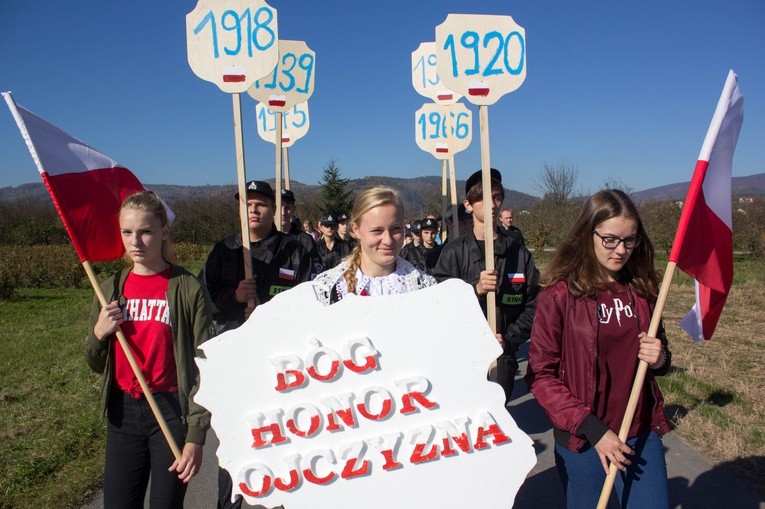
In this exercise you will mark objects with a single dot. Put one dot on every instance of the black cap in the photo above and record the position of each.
(462, 213)
(328, 220)
(288, 195)
(429, 223)
(416, 227)
(260, 187)
(342, 217)
(476, 177)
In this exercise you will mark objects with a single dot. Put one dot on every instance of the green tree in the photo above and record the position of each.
(336, 198)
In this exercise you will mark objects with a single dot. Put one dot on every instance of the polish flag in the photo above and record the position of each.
(516, 277)
(86, 186)
(286, 274)
(703, 246)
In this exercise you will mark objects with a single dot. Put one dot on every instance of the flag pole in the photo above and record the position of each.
(133, 364)
(637, 386)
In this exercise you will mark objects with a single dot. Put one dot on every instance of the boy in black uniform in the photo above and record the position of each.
(515, 279)
(292, 227)
(331, 248)
(424, 256)
(279, 262)
(344, 232)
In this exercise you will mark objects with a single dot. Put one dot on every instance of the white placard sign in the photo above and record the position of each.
(232, 43)
(291, 82)
(361, 407)
(295, 123)
(442, 131)
(482, 57)
(425, 76)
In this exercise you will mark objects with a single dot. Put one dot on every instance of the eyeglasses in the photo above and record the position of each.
(613, 242)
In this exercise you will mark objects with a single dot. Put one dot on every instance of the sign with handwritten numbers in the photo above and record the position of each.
(232, 43)
(442, 130)
(425, 76)
(291, 82)
(480, 56)
(295, 123)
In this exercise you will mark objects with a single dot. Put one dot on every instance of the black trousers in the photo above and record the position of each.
(136, 448)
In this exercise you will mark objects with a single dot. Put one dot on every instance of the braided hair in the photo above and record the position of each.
(366, 201)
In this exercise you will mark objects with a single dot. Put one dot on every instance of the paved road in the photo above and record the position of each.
(693, 481)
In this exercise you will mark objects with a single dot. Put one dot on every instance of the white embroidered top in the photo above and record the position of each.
(406, 278)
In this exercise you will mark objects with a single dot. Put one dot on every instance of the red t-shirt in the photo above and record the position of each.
(617, 361)
(148, 332)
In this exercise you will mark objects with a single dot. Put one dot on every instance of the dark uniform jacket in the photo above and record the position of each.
(332, 257)
(279, 262)
(421, 257)
(464, 258)
(310, 245)
(514, 233)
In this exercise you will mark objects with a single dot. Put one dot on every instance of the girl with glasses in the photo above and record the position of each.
(588, 336)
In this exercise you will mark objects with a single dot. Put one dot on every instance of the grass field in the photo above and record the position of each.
(52, 440)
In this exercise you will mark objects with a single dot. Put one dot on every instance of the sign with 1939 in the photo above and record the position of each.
(291, 82)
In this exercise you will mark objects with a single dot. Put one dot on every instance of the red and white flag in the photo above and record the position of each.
(86, 186)
(703, 246)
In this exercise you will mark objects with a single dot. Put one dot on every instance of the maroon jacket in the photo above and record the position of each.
(562, 369)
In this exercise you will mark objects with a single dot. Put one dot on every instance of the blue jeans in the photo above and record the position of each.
(644, 484)
(136, 447)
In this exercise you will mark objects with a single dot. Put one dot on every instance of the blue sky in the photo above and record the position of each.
(620, 90)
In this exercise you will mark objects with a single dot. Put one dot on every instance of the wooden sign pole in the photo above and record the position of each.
(444, 200)
(637, 386)
(453, 191)
(134, 365)
(488, 222)
(242, 182)
(278, 178)
(286, 166)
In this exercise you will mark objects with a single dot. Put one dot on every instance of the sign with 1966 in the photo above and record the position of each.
(443, 130)
(425, 75)
(291, 82)
(232, 43)
(482, 57)
(295, 123)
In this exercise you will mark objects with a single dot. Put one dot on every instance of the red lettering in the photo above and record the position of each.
(313, 478)
(331, 374)
(408, 407)
(312, 429)
(265, 489)
(370, 364)
(350, 473)
(463, 441)
(294, 480)
(387, 406)
(419, 457)
(277, 437)
(346, 416)
(390, 461)
(492, 431)
(281, 380)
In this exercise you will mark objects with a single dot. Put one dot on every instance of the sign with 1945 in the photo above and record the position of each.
(295, 123)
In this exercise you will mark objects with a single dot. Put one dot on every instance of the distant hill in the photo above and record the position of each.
(414, 191)
(752, 185)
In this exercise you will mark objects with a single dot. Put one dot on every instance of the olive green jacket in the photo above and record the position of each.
(191, 323)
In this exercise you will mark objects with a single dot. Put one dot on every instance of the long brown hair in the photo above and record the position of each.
(366, 201)
(575, 259)
(149, 201)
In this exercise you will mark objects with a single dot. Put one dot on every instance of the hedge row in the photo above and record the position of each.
(57, 266)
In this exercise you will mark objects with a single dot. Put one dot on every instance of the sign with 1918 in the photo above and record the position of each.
(482, 57)
(295, 123)
(442, 130)
(232, 43)
(291, 82)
